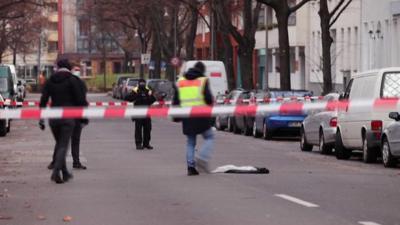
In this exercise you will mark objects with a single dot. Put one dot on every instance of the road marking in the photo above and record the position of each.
(368, 223)
(296, 200)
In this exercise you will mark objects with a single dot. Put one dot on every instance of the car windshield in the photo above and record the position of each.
(3, 85)
(391, 85)
(133, 83)
(160, 85)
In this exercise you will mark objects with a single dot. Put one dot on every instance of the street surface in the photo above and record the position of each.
(124, 186)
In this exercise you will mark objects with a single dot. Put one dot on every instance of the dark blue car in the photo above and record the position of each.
(284, 122)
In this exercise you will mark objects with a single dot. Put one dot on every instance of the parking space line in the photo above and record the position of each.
(368, 223)
(297, 201)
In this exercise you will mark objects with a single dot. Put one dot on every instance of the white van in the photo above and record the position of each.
(215, 71)
(360, 126)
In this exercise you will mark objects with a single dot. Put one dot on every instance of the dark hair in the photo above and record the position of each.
(64, 63)
(200, 67)
(142, 81)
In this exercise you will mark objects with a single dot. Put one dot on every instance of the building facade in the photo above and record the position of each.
(380, 32)
(345, 50)
(80, 42)
(41, 59)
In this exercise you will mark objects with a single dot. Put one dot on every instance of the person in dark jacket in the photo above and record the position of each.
(76, 134)
(142, 96)
(64, 91)
(187, 87)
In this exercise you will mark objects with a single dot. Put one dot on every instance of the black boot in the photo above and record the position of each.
(66, 175)
(55, 176)
(79, 166)
(192, 171)
(139, 147)
(148, 147)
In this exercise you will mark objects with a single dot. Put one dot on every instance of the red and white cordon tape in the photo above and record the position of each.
(92, 104)
(188, 112)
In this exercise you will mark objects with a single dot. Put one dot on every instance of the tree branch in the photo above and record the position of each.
(340, 13)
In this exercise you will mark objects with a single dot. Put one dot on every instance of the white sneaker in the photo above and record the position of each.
(203, 165)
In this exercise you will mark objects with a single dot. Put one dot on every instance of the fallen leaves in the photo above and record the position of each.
(41, 217)
(6, 217)
(67, 219)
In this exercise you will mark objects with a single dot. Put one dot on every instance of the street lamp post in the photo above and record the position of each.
(175, 40)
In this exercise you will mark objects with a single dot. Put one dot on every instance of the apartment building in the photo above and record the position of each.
(380, 34)
(345, 50)
(41, 59)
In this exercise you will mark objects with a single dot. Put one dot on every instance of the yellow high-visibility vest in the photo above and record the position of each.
(191, 91)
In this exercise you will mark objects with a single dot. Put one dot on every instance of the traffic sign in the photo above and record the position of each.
(145, 59)
(175, 61)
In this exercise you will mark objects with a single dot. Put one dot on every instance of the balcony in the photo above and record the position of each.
(52, 36)
(53, 17)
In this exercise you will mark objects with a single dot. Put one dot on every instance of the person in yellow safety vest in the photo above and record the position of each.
(193, 90)
(142, 96)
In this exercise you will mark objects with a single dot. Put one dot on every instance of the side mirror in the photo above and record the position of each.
(394, 116)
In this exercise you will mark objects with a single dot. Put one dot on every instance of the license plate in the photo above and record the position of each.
(295, 124)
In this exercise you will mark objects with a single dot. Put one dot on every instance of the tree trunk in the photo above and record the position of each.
(245, 53)
(156, 57)
(14, 57)
(284, 49)
(191, 35)
(228, 60)
(127, 60)
(326, 47)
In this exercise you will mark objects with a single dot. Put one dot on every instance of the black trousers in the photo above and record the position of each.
(62, 131)
(76, 141)
(142, 131)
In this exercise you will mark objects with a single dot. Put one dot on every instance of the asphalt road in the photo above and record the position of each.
(125, 186)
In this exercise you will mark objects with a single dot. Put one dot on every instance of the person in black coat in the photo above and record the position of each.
(64, 90)
(142, 96)
(77, 131)
(192, 127)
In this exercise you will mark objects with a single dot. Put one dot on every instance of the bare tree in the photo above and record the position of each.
(283, 9)
(328, 19)
(246, 37)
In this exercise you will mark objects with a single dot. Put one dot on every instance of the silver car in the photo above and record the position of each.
(319, 128)
(129, 85)
(391, 142)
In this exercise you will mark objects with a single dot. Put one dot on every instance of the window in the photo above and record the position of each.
(52, 46)
(391, 85)
(292, 17)
(348, 89)
(117, 67)
(84, 27)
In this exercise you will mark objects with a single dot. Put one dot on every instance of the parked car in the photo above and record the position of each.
(244, 122)
(391, 142)
(8, 82)
(223, 122)
(5, 125)
(319, 129)
(161, 88)
(284, 122)
(128, 86)
(117, 87)
(359, 126)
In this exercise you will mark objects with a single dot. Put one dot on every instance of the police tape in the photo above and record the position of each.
(289, 108)
(92, 104)
(112, 103)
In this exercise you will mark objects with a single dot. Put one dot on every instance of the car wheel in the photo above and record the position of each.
(369, 154)
(266, 134)
(246, 130)
(304, 145)
(256, 134)
(340, 151)
(324, 148)
(9, 126)
(387, 157)
(3, 128)
(218, 124)
(230, 126)
(235, 128)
